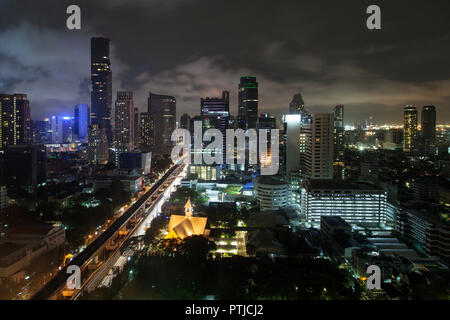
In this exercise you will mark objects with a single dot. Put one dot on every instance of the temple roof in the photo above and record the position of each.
(188, 204)
(186, 227)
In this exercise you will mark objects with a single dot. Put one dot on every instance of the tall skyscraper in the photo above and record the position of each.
(338, 132)
(162, 108)
(62, 129)
(124, 122)
(15, 120)
(81, 122)
(98, 151)
(291, 152)
(136, 127)
(297, 105)
(429, 129)
(146, 132)
(266, 122)
(101, 78)
(317, 160)
(248, 103)
(410, 129)
(215, 113)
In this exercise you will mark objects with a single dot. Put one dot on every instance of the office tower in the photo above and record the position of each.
(317, 162)
(291, 154)
(410, 129)
(61, 129)
(136, 128)
(215, 113)
(41, 129)
(266, 122)
(429, 129)
(15, 121)
(338, 133)
(56, 129)
(292, 126)
(248, 103)
(67, 129)
(162, 108)
(101, 78)
(124, 122)
(185, 122)
(297, 105)
(146, 132)
(81, 122)
(98, 150)
(25, 166)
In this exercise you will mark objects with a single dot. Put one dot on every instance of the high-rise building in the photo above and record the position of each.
(15, 120)
(297, 105)
(98, 150)
(317, 160)
(124, 121)
(429, 129)
(291, 154)
(248, 103)
(81, 122)
(146, 132)
(185, 122)
(338, 132)
(162, 109)
(266, 122)
(25, 166)
(41, 130)
(410, 129)
(101, 78)
(61, 129)
(136, 127)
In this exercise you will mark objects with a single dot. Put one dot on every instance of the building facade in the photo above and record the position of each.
(360, 204)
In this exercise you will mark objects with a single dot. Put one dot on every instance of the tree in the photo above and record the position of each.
(197, 248)
(158, 224)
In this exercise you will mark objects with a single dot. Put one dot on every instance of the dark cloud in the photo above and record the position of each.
(197, 48)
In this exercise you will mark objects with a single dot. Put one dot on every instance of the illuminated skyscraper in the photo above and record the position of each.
(101, 78)
(215, 113)
(98, 151)
(15, 121)
(317, 160)
(248, 103)
(162, 109)
(338, 133)
(124, 122)
(429, 129)
(81, 122)
(410, 129)
(146, 132)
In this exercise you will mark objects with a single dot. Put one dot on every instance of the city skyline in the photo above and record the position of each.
(347, 70)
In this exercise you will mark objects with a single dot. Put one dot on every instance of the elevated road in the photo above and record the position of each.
(53, 288)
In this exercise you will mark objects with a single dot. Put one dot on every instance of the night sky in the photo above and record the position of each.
(197, 48)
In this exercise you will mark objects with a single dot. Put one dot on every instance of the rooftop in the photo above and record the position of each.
(331, 184)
